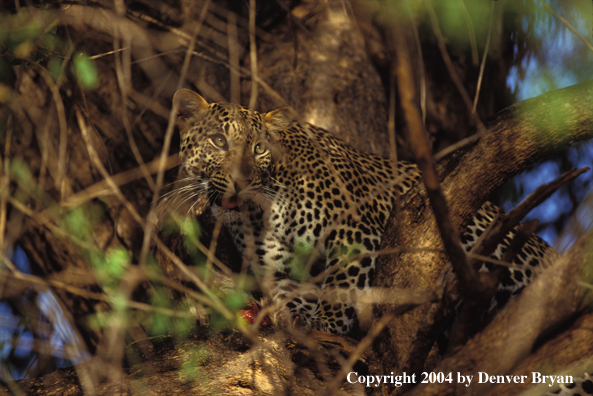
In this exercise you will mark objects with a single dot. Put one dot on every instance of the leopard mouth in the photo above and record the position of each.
(231, 203)
(225, 201)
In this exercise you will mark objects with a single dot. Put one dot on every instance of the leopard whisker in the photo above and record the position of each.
(189, 197)
(271, 195)
(195, 185)
(277, 183)
(187, 191)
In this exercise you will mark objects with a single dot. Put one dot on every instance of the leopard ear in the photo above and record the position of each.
(279, 119)
(188, 105)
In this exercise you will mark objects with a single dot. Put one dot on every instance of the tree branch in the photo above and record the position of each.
(474, 308)
(516, 137)
(548, 301)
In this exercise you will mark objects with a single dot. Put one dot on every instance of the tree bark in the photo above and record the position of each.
(516, 137)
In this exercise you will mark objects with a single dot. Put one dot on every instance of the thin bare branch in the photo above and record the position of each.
(149, 228)
(568, 25)
(252, 55)
(103, 188)
(422, 151)
(449, 64)
(471, 33)
(484, 56)
(5, 183)
(234, 67)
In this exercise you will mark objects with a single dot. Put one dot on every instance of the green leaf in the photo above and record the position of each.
(55, 67)
(191, 229)
(77, 223)
(116, 262)
(159, 324)
(119, 302)
(86, 72)
(236, 300)
(19, 171)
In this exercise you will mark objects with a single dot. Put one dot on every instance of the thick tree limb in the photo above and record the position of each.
(475, 307)
(551, 299)
(570, 354)
(517, 137)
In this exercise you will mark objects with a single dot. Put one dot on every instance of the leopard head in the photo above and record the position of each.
(227, 151)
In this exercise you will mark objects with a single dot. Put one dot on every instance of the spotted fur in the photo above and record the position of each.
(535, 256)
(580, 387)
(306, 209)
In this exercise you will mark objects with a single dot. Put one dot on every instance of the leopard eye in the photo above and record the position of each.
(218, 140)
(260, 149)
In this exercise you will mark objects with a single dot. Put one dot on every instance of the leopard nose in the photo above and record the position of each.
(240, 184)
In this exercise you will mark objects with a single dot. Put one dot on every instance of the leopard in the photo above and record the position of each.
(580, 387)
(308, 211)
